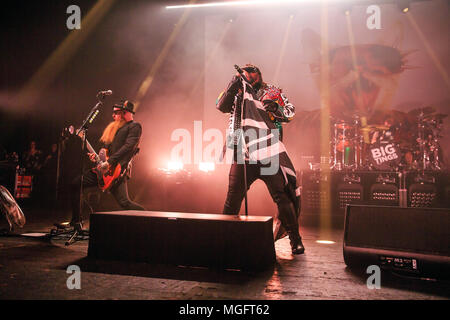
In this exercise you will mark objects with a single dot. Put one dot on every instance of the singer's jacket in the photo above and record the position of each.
(276, 103)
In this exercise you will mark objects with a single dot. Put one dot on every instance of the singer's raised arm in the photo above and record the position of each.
(225, 100)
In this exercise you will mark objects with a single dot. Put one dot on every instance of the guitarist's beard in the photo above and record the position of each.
(110, 131)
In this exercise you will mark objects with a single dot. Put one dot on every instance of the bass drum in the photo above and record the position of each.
(385, 156)
(11, 209)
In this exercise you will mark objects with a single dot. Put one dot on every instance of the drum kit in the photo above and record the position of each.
(391, 146)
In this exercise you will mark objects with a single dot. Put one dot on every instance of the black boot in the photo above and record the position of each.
(289, 221)
(296, 243)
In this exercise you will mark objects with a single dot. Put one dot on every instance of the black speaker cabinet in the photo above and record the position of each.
(187, 239)
(428, 188)
(348, 187)
(349, 193)
(411, 240)
(314, 195)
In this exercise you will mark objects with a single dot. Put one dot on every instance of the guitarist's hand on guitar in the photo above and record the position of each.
(81, 134)
(103, 167)
(92, 157)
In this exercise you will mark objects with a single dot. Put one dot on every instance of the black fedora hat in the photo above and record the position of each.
(125, 105)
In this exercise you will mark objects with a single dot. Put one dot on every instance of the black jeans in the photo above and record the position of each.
(119, 192)
(275, 184)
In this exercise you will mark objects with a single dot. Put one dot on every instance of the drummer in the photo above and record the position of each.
(388, 122)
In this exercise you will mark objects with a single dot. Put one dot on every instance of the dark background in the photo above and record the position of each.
(117, 55)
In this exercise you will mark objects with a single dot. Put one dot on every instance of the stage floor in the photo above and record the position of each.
(36, 268)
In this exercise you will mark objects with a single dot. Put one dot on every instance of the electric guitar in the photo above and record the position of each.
(107, 176)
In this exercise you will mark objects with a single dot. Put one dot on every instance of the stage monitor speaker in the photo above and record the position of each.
(411, 240)
(187, 239)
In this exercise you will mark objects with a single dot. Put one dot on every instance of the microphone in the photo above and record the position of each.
(241, 73)
(106, 93)
(238, 69)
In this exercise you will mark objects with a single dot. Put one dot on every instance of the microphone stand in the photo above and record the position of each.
(78, 232)
(238, 69)
(61, 141)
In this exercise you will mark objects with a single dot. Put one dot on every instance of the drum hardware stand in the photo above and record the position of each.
(77, 233)
(358, 143)
(421, 141)
(436, 161)
(434, 144)
(336, 165)
(347, 142)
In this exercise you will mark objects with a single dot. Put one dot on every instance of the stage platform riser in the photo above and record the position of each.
(221, 241)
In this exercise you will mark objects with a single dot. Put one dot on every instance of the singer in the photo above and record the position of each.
(263, 107)
(121, 139)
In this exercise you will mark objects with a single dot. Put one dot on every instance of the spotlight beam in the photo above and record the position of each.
(429, 50)
(209, 59)
(62, 55)
(325, 214)
(145, 85)
(351, 39)
(283, 48)
(243, 3)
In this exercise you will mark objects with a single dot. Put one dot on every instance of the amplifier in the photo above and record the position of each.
(348, 188)
(427, 189)
(383, 188)
(315, 191)
(353, 187)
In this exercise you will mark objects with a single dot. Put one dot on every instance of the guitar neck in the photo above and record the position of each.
(91, 150)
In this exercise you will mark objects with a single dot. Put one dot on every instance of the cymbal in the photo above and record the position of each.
(438, 116)
(374, 127)
(343, 126)
(418, 111)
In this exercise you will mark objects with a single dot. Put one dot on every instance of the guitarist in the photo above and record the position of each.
(121, 138)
